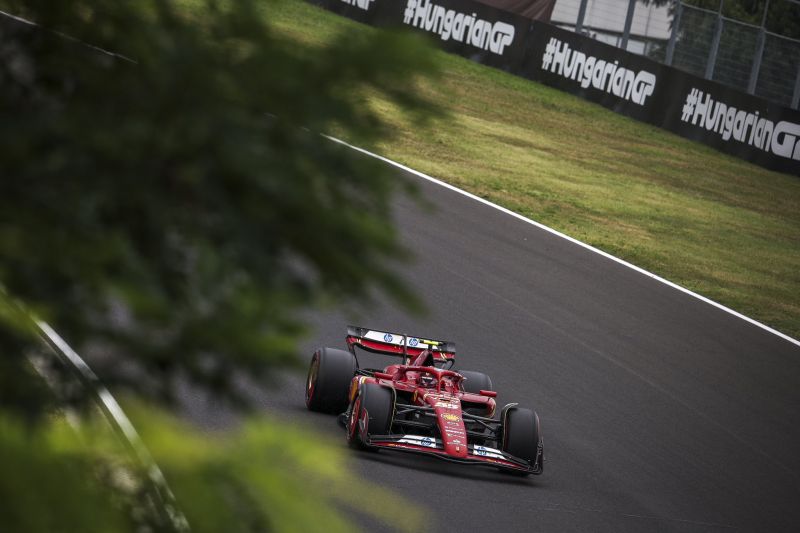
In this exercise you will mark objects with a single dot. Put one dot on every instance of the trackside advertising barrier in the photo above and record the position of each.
(739, 124)
(477, 31)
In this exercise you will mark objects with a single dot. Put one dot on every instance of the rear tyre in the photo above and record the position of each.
(476, 381)
(521, 435)
(373, 408)
(329, 378)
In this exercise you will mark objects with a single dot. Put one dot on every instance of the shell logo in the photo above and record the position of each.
(450, 417)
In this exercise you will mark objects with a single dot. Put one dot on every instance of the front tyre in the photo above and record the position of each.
(372, 413)
(522, 436)
(329, 379)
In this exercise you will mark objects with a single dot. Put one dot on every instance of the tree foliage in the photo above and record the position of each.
(166, 195)
(262, 477)
(167, 200)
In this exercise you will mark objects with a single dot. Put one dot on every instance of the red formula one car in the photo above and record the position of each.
(422, 405)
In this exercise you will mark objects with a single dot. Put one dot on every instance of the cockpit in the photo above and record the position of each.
(428, 381)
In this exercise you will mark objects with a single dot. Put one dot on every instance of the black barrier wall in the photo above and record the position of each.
(478, 31)
(733, 122)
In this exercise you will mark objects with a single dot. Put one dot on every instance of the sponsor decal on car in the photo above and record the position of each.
(485, 451)
(418, 440)
(450, 417)
(400, 340)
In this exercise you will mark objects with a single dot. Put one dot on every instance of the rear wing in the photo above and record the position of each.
(405, 346)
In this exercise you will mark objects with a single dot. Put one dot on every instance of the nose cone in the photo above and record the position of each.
(451, 426)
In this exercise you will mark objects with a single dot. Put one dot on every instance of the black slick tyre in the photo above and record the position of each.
(521, 434)
(328, 381)
(474, 384)
(476, 381)
(372, 408)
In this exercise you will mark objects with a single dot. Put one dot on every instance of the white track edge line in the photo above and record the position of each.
(115, 413)
(568, 238)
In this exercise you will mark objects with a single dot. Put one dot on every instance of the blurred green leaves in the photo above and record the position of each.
(263, 477)
(271, 471)
(166, 200)
(173, 202)
(48, 482)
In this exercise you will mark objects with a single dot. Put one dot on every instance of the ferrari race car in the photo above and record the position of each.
(422, 405)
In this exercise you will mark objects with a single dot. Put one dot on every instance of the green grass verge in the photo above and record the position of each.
(712, 223)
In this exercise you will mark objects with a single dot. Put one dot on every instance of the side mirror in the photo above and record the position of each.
(489, 393)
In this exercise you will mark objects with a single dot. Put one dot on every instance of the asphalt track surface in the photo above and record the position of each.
(659, 412)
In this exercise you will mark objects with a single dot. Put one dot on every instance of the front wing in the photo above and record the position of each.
(477, 455)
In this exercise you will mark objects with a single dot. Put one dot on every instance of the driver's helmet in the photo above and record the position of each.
(427, 381)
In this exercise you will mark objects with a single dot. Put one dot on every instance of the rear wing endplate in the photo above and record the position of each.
(406, 346)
